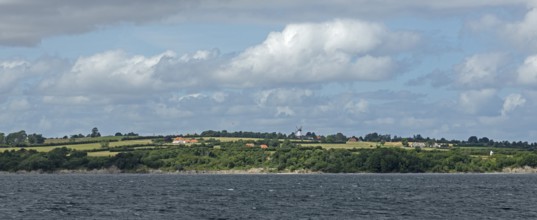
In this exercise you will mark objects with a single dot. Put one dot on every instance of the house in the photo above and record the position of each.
(264, 146)
(250, 145)
(180, 140)
(418, 144)
(353, 139)
(442, 145)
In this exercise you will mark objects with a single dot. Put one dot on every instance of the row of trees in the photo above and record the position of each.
(20, 138)
(472, 141)
(283, 158)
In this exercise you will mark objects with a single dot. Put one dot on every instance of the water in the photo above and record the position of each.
(319, 196)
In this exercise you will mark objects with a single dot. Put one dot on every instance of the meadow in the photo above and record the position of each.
(83, 147)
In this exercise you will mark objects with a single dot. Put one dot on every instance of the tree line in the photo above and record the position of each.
(20, 139)
(287, 156)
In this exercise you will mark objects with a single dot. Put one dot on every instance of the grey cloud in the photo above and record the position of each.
(27, 22)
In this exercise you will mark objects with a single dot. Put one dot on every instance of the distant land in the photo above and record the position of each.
(260, 152)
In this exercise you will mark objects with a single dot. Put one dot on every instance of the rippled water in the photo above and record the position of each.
(318, 196)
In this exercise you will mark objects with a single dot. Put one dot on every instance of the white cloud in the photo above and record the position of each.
(512, 102)
(10, 72)
(524, 33)
(527, 72)
(338, 50)
(219, 96)
(110, 71)
(358, 107)
(284, 111)
(474, 100)
(281, 96)
(521, 33)
(479, 70)
(200, 55)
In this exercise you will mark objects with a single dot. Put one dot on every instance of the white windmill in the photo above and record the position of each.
(298, 132)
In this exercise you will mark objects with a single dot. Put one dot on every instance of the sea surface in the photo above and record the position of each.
(268, 196)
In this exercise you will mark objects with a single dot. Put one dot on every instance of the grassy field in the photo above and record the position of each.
(231, 139)
(342, 146)
(102, 154)
(350, 145)
(84, 139)
(90, 146)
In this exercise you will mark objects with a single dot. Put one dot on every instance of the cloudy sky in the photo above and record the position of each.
(438, 68)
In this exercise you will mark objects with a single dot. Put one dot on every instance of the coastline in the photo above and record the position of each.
(252, 171)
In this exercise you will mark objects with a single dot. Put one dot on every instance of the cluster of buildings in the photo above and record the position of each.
(431, 145)
(180, 140)
(262, 146)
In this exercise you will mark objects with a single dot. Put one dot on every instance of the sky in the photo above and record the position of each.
(449, 69)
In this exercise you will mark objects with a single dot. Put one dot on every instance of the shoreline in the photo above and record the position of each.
(253, 171)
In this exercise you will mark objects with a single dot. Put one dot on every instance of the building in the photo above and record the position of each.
(180, 140)
(353, 139)
(418, 144)
(264, 146)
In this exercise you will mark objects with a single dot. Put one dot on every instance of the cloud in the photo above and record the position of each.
(31, 21)
(303, 54)
(111, 71)
(524, 33)
(358, 107)
(10, 72)
(284, 111)
(512, 102)
(527, 72)
(26, 23)
(339, 50)
(479, 70)
(18, 76)
(282, 96)
(475, 100)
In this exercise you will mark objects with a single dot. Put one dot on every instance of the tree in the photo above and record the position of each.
(2, 138)
(472, 140)
(341, 138)
(16, 138)
(405, 142)
(36, 139)
(95, 132)
(484, 140)
(118, 134)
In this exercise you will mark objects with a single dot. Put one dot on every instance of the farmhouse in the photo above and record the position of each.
(418, 144)
(352, 139)
(180, 140)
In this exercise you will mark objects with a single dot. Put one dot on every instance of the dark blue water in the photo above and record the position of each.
(318, 196)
